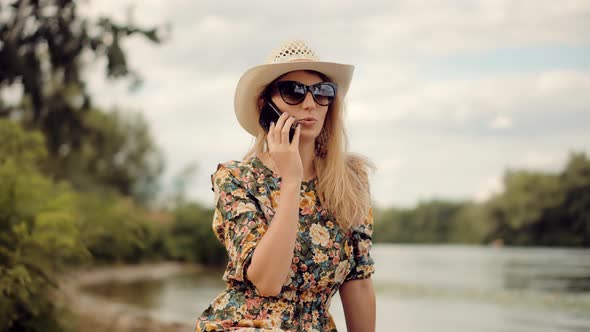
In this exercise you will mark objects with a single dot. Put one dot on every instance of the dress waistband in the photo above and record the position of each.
(318, 299)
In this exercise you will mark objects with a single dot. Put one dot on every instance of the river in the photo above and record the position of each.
(419, 288)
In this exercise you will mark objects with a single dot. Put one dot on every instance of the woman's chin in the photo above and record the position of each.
(307, 137)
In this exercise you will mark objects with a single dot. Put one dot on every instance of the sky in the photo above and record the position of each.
(446, 95)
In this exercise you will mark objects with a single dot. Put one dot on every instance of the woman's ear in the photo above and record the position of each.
(260, 103)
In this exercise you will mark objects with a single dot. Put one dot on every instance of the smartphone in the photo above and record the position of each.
(270, 112)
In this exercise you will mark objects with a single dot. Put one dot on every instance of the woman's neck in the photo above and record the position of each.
(307, 152)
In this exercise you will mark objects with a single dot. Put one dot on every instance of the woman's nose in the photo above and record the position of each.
(308, 102)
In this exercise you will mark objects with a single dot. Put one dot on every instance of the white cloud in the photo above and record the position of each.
(501, 122)
(491, 186)
(439, 27)
(538, 159)
(507, 101)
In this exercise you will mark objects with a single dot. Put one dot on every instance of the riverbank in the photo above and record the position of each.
(91, 313)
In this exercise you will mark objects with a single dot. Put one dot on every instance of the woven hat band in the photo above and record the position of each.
(292, 50)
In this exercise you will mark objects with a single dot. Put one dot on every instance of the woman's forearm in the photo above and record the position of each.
(359, 304)
(272, 256)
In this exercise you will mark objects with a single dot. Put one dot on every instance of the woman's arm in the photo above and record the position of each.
(273, 255)
(358, 302)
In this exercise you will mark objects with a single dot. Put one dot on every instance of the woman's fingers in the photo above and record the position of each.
(270, 137)
(285, 130)
(285, 154)
(278, 133)
(296, 135)
(279, 125)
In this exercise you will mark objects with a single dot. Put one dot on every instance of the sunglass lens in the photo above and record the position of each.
(324, 93)
(292, 92)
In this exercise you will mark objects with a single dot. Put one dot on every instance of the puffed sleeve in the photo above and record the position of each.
(362, 242)
(238, 222)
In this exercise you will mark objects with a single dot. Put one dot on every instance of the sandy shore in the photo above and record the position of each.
(95, 314)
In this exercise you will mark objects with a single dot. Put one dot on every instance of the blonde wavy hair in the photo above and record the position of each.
(343, 179)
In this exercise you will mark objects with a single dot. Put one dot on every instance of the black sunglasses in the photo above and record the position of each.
(294, 92)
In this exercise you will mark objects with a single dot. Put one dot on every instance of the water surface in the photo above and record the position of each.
(421, 288)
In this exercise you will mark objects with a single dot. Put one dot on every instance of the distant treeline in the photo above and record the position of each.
(534, 209)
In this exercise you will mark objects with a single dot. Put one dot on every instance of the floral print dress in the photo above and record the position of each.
(247, 194)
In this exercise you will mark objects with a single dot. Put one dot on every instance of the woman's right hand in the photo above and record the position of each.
(285, 155)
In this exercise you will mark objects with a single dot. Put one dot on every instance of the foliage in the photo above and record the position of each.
(47, 41)
(545, 209)
(191, 237)
(574, 213)
(525, 197)
(39, 232)
(74, 180)
(429, 222)
(46, 226)
(118, 154)
(471, 225)
(115, 230)
(45, 47)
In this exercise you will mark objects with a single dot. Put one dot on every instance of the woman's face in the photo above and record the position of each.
(310, 114)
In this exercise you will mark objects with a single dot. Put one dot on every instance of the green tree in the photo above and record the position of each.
(569, 223)
(115, 230)
(191, 237)
(471, 224)
(433, 220)
(45, 47)
(118, 153)
(39, 232)
(525, 197)
(576, 178)
(429, 222)
(542, 208)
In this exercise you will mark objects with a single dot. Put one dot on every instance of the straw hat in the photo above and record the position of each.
(292, 55)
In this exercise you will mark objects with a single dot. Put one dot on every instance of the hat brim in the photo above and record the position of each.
(255, 79)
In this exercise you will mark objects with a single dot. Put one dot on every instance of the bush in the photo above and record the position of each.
(39, 233)
(191, 237)
(115, 230)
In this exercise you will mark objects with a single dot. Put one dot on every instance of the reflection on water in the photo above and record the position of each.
(555, 270)
(423, 288)
(144, 293)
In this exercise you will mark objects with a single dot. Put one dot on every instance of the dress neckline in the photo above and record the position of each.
(262, 165)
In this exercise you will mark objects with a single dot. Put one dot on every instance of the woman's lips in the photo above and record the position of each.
(307, 122)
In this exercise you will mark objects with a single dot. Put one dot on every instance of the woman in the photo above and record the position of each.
(294, 215)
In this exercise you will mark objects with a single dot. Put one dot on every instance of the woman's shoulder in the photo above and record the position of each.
(241, 170)
(248, 174)
(236, 164)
